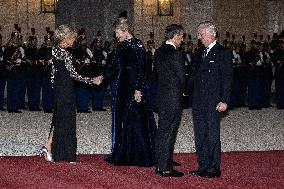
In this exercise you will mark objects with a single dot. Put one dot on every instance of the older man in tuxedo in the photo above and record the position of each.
(171, 76)
(212, 78)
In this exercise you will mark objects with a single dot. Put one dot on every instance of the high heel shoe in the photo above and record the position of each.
(44, 153)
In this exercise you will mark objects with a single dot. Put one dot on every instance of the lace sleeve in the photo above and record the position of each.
(69, 66)
(62, 54)
(52, 74)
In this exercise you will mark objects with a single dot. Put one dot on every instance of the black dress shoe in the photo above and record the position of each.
(171, 173)
(99, 109)
(198, 173)
(48, 111)
(216, 174)
(84, 111)
(22, 108)
(266, 106)
(254, 108)
(34, 109)
(205, 174)
(175, 163)
(14, 111)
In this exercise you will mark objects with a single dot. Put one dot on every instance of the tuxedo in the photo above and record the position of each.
(171, 79)
(212, 77)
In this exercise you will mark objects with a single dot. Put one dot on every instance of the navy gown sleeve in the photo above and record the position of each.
(111, 66)
(138, 66)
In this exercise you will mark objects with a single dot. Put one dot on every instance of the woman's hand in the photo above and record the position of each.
(221, 107)
(137, 96)
(98, 80)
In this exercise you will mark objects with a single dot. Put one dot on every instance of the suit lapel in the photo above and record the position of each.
(213, 50)
(211, 54)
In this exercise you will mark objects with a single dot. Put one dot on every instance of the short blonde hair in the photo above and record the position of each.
(62, 32)
(121, 24)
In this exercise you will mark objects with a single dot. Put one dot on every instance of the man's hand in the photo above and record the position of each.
(221, 107)
(137, 96)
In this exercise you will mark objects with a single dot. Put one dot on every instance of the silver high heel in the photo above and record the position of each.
(44, 153)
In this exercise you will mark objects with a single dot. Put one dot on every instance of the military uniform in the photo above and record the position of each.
(33, 75)
(267, 77)
(13, 57)
(2, 75)
(98, 92)
(85, 67)
(239, 85)
(279, 76)
(44, 58)
(253, 60)
(152, 75)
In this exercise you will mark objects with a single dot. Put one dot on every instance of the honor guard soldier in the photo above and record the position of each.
(243, 47)
(233, 41)
(33, 73)
(13, 57)
(151, 71)
(239, 86)
(261, 38)
(23, 75)
(255, 62)
(189, 65)
(255, 37)
(44, 56)
(83, 56)
(267, 75)
(227, 40)
(2, 75)
(234, 99)
(98, 92)
(279, 74)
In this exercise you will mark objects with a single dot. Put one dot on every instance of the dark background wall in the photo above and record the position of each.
(93, 15)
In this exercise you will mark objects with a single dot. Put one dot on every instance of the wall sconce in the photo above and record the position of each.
(165, 7)
(48, 6)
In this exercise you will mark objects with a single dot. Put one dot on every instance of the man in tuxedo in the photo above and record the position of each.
(212, 78)
(171, 77)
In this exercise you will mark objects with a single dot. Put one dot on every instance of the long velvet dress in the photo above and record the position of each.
(63, 126)
(133, 123)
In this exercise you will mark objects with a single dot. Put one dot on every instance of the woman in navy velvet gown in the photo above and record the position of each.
(133, 123)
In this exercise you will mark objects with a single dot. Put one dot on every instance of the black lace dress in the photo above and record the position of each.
(63, 126)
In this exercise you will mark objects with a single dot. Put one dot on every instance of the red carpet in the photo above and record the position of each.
(244, 170)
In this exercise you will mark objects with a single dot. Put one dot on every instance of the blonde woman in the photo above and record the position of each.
(62, 141)
(133, 124)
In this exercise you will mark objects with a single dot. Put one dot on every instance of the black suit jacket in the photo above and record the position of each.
(171, 73)
(212, 78)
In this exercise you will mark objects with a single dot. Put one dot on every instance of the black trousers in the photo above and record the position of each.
(207, 139)
(168, 124)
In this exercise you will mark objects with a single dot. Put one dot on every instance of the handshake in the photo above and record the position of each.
(98, 80)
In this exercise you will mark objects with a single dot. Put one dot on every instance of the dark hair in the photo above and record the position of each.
(172, 30)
